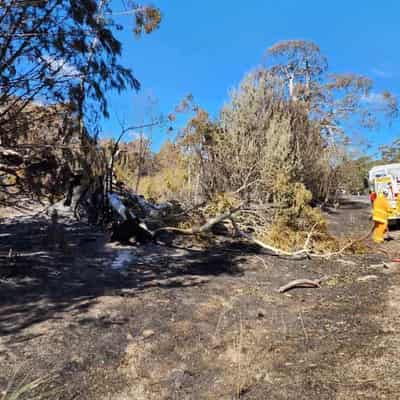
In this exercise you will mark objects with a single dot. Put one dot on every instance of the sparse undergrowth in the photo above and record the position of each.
(30, 389)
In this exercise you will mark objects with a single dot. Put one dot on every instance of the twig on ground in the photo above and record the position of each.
(239, 350)
(302, 283)
(262, 260)
(347, 246)
(285, 328)
(302, 325)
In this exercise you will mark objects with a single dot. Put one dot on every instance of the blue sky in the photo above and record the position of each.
(206, 47)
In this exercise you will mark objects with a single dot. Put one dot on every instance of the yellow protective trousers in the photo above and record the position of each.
(380, 212)
(380, 229)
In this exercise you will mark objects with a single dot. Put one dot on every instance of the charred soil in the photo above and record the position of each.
(185, 321)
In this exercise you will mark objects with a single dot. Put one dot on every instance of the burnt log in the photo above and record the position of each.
(131, 228)
(126, 224)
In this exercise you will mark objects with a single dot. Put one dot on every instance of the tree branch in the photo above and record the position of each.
(204, 228)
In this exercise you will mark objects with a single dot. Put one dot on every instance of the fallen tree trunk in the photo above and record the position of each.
(131, 212)
(201, 229)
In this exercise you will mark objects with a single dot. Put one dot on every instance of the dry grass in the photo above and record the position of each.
(26, 389)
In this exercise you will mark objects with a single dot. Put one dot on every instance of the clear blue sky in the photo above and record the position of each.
(205, 48)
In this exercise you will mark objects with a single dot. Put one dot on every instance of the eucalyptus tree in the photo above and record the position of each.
(390, 153)
(340, 102)
(63, 52)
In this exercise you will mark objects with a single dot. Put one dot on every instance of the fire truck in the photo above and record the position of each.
(386, 178)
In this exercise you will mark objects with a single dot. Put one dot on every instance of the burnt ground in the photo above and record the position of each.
(181, 322)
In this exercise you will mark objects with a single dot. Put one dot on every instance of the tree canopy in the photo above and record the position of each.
(63, 51)
(340, 102)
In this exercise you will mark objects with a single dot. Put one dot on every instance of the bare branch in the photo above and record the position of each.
(204, 228)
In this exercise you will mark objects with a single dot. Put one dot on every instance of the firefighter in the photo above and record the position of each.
(380, 216)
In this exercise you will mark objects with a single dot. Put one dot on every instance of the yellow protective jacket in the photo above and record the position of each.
(381, 210)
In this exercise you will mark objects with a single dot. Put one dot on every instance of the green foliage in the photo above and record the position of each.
(221, 203)
(167, 179)
(167, 184)
(354, 174)
(295, 219)
(64, 51)
(391, 153)
(285, 121)
(331, 98)
(258, 138)
(297, 223)
(295, 207)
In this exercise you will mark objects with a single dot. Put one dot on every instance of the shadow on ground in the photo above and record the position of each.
(42, 274)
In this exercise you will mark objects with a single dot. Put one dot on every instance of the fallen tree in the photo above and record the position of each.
(138, 218)
(201, 229)
(130, 217)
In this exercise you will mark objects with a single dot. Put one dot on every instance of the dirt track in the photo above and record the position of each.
(192, 323)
